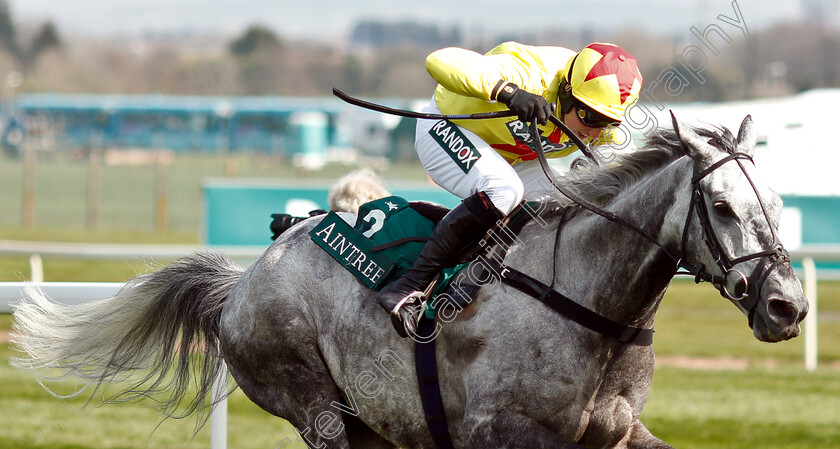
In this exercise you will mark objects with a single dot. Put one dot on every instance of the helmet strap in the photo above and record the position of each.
(565, 99)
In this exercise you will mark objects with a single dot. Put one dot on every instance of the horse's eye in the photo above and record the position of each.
(724, 210)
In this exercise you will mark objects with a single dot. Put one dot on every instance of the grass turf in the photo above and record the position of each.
(780, 408)
(33, 419)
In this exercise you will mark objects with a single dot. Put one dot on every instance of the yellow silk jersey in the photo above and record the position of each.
(467, 83)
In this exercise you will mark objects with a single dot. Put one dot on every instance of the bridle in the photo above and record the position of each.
(742, 289)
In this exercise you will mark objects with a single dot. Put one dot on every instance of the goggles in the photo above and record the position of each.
(592, 119)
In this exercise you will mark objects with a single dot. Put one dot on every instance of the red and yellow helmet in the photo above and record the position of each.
(605, 78)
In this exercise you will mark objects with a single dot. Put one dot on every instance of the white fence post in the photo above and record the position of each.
(218, 414)
(810, 329)
(36, 268)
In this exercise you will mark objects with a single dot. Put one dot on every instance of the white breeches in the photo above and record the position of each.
(465, 168)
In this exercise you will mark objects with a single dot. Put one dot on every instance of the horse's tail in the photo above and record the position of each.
(143, 338)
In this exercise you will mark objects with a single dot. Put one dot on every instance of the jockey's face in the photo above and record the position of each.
(573, 122)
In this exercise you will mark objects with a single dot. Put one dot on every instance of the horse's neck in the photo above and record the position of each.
(613, 269)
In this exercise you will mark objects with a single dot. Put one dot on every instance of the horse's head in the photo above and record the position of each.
(732, 231)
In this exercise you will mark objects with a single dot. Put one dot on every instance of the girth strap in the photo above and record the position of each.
(574, 311)
(427, 376)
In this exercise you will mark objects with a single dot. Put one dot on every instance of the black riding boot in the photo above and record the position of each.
(460, 228)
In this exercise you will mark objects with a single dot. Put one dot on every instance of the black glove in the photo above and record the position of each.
(527, 106)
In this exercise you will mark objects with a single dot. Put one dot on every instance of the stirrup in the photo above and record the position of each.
(407, 313)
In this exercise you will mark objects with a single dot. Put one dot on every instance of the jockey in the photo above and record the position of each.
(491, 164)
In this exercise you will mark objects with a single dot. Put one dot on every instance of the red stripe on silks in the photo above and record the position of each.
(525, 152)
(521, 150)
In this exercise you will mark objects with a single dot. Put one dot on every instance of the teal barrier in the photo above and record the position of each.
(239, 213)
(820, 223)
(820, 218)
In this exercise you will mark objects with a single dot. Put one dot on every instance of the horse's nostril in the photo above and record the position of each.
(782, 310)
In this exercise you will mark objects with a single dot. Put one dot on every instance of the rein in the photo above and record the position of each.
(742, 291)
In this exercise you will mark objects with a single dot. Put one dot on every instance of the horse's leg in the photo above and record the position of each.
(307, 398)
(511, 429)
(363, 437)
(270, 344)
(303, 396)
(640, 437)
(284, 373)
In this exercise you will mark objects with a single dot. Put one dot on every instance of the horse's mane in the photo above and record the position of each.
(601, 183)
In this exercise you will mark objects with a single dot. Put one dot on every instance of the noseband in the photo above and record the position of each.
(743, 290)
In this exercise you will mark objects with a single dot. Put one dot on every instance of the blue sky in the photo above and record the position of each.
(332, 19)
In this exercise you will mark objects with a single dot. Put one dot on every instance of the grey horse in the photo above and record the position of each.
(307, 342)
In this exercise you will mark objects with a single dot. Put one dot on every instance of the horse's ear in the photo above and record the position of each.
(696, 147)
(747, 136)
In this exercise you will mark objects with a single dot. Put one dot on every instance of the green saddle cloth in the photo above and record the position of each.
(383, 244)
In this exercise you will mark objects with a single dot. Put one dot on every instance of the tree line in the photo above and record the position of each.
(382, 59)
